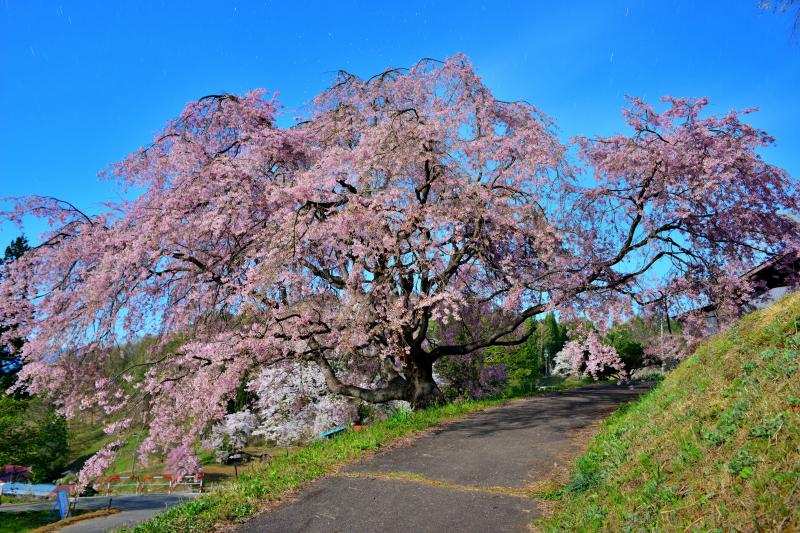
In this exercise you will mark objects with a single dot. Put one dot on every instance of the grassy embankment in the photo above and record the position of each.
(716, 446)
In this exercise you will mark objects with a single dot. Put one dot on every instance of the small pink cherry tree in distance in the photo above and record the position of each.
(396, 203)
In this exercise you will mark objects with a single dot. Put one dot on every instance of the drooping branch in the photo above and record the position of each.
(401, 201)
(395, 389)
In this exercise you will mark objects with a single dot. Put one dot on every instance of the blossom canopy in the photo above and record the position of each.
(400, 201)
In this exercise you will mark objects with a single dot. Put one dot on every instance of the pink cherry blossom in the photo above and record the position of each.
(588, 356)
(343, 241)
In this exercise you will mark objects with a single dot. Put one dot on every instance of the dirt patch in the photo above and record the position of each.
(55, 526)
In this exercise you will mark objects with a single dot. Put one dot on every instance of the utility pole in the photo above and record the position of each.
(541, 352)
(546, 354)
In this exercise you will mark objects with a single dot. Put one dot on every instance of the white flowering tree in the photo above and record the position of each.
(230, 436)
(294, 404)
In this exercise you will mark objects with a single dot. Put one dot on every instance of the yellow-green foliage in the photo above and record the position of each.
(716, 446)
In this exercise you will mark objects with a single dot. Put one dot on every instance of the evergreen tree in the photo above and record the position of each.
(630, 350)
(552, 338)
(522, 363)
(9, 355)
(31, 432)
(15, 250)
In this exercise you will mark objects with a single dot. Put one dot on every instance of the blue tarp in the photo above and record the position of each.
(26, 489)
(334, 431)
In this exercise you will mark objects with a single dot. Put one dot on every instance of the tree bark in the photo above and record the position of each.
(416, 386)
(421, 390)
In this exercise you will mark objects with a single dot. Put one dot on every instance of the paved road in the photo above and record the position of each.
(134, 508)
(467, 476)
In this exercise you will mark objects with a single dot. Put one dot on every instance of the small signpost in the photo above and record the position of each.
(235, 459)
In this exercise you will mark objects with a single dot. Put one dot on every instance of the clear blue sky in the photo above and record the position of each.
(84, 83)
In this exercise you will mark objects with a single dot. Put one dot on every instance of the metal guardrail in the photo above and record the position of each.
(189, 481)
(118, 482)
(142, 485)
(157, 480)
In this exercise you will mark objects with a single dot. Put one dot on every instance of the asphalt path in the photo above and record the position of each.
(470, 475)
(134, 509)
(467, 476)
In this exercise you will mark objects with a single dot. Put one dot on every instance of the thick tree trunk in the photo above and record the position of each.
(415, 386)
(421, 390)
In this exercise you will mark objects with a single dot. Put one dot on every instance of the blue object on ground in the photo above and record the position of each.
(331, 432)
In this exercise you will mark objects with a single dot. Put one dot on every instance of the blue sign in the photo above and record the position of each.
(62, 500)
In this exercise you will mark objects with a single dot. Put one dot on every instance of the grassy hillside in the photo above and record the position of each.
(716, 446)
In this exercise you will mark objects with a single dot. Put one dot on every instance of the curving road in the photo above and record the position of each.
(467, 476)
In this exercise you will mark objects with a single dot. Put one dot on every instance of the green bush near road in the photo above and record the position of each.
(32, 434)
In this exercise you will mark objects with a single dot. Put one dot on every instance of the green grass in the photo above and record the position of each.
(716, 446)
(238, 499)
(84, 440)
(7, 500)
(11, 522)
(18, 522)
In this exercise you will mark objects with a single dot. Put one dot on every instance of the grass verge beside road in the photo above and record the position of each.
(37, 521)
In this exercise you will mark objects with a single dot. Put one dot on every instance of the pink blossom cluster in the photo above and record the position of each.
(397, 202)
(667, 350)
(183, 461)
(96, 465)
